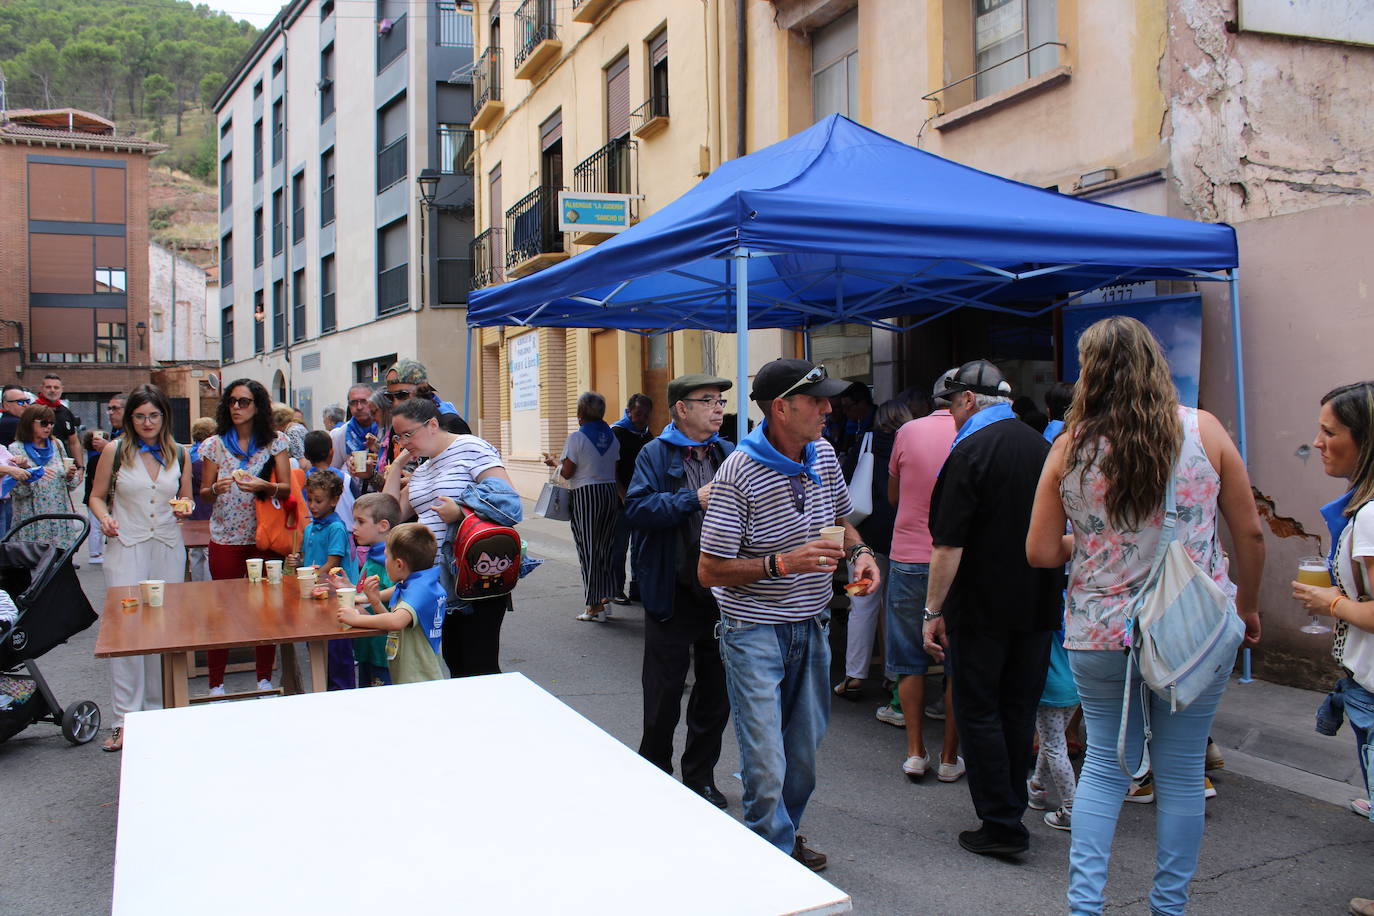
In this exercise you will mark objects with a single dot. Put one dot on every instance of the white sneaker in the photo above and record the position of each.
(96, 561)
(915, 767)
(891, 716)
(951, 772)
(264, 685)
(217, 691)
(1037, 796)
(1061, 819)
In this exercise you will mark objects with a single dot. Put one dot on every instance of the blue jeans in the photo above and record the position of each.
(1178, 745)
(777, 677)
(1351, 701)
(904, 651)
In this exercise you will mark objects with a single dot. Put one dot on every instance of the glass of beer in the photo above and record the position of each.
(1313, 571)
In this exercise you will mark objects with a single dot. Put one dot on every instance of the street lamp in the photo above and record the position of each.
(428, 182)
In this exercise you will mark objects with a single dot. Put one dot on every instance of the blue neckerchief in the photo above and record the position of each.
(425, 594)
(39, 456)
(154, 450)
(1333, 513)
(757, 447)
(195, 452)
(231, 442)
(1053, 429)
(355, 435)
(377, 553)
(674, 436)
(985, 417)
(626, 423)
(600, 434)
(444, 406)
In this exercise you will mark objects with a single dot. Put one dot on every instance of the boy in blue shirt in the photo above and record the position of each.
(327, 545)
(415, 620)
(374, 515)
(319, 455)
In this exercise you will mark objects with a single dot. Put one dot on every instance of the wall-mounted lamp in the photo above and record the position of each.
(1096, 177)
(428, 183)
(142, 330)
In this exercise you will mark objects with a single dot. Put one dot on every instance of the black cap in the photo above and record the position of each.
(978, 376)
(778, 377)
(684, 385)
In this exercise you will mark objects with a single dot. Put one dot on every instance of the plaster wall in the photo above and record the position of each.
(177, 332)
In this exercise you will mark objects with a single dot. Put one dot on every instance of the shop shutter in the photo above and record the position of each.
(618, 98)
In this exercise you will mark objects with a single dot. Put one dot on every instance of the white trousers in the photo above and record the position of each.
(136, 681)
(864, 612)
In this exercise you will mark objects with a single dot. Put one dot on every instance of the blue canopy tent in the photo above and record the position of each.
(842, 224)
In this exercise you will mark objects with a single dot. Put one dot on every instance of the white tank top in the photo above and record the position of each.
(142, 506)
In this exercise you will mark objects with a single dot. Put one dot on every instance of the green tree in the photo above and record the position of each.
(40, 63)
(158, 93)
(210, 85)
(92, 65)
(180, 61)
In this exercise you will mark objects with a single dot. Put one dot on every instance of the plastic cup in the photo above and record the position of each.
(345, 597)
(151, 590)
(360, 461)
(834, 534)
(305, 583)
(273, 572)
(254, 569)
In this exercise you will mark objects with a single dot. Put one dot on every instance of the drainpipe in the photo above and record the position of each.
(287, 204)
(742, 83)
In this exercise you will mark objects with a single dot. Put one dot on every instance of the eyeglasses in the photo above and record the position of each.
(43, 422)
(114, 407)
(358, 402)
(405, 436)
(400, 395)
(817, 374)
(147, 417)
(709, 402)
(240, 402)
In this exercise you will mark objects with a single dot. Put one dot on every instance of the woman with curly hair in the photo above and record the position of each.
(1126, 442)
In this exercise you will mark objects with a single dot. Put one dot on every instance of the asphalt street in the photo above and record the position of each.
(891, 843)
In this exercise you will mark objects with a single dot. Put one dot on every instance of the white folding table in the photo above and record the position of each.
(483, 795)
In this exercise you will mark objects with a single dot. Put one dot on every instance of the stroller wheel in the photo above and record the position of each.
(81, 722)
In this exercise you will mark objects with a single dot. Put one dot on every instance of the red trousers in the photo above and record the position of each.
(227, 561)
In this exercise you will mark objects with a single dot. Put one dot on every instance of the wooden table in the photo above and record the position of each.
(195, 533)
(475, 795)
(219, 614)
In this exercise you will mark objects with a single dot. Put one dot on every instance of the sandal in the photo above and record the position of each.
(1360, 806)
(589, 614)
(849, 689)
(115, 742)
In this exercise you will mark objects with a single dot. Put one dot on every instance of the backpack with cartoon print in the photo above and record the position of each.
(486, 558)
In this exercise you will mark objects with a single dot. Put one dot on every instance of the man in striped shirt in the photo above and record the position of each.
(770, 570)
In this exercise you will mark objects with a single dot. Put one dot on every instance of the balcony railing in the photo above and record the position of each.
(455, 148)
(391, 41)
(486, 78)
(656, 107)
(257, 249)
(609, 170)
(391, 164)
(532, 226)
(226, 270)
(326, 312)
(393, 289)
(455, 279)
(298, 225)
(327, 206)
(455, 24)
(488, 265)
(534, 23)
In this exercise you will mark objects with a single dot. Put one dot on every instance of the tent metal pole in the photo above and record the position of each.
(1233, 286)
(467, 374)
(741, 257)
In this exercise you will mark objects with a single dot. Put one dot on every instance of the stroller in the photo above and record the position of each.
(49, 608)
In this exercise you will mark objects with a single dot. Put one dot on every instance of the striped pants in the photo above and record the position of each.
(594, 508)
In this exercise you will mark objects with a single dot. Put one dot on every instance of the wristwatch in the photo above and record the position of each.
(928, 615)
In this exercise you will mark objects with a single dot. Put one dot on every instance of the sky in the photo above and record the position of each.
(258, 12)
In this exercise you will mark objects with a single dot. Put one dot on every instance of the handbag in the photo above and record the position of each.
(281, 519)
(1364, 674)
(555, 500)
(861, 484)
(1183, 633)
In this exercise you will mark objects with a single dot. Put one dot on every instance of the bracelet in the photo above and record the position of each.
(769, 569)
(1331, 611)
(858, 549)
(782, 567)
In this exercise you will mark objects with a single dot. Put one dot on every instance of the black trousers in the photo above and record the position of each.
(998, 678)
(686, 638)
(472, 642)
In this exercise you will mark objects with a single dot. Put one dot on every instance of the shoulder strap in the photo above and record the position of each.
(114, 468)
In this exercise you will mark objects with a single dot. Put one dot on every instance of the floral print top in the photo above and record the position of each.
(1109, 566)
(234, 518)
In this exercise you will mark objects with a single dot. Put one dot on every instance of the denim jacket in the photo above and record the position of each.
(494, 500)
(656, 505)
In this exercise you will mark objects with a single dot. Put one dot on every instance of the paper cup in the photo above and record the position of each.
(151, 590)
(254, 569)
(360, 461)
(68, 464)
(834, 534)
(305, 583)
(306, 571)
(345, 597)
(273, 572)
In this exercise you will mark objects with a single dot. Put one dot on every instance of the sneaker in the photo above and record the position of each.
(951, 772)
(915, 767)
(96, 561)
(1208, 790)
(936, 710)
(217, 691)
(1214, 759)
(1061, 819)
(264, 685)
(1143, 792)
(1036, 795)
(891, 716)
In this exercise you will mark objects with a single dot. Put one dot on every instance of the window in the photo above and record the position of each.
(278, 315)
(298, 306)
(226, 259)
(455, 148)
(455, 24)
(326, 9)
(326, 82)
(391, 144)
(658, 75)
(327, 188)
(110, 280)
(835, 68)
(298, 208)
(257, 89)
(278, 131)
(259, 322)
(257, 237)
(226, 181)
(226, 334)
(257, 150)
(111, 342)
(276, 67)
(393, 283)
(278, 222)
(1003, 32)
(226, 128)
(326, 294)
(618, 97)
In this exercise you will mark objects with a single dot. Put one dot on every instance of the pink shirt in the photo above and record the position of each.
(920, 450)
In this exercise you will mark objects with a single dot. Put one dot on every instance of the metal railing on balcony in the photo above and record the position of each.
(327, 205)
(391, 41)
(486, 78)
(455, 279)
(327, 318)
(488, 264)
(609, 170)
(298, 225)
(655, 107)
(532, 226)
(226, 268)
(534, 22)
(455, 149)
(391, 164)
(455, 24)
(393, 289)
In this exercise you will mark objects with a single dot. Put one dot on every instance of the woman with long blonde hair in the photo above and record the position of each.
(1127, 441)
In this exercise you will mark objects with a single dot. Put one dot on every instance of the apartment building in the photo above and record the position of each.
(73, 254)
(345, 198)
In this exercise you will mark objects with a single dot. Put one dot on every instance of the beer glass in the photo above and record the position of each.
(1313, 571)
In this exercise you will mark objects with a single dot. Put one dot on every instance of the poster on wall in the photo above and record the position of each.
(524, 372)
(1176, 322)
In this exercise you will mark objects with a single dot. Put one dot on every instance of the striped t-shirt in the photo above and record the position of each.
(752, 513)
(449, 473)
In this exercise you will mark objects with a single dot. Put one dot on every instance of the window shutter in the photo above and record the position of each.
(618, 98)
(658, 48)
(551, 131)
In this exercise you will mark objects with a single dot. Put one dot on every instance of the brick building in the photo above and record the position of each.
(73, 254)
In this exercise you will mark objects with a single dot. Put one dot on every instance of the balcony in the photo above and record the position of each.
(393, 289)
(455, 24)
(487, 106)
(532, 233)
(391, 164)
(609, 170)
(455, 279)
(650, 118)
(391, 40)
(485, 256)
(536, 38)
(455, 149)
(589, 10)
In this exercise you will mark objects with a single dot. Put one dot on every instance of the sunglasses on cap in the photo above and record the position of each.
(394, 396)
(818, 374)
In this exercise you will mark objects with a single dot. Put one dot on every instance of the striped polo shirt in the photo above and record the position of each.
(752, 513)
